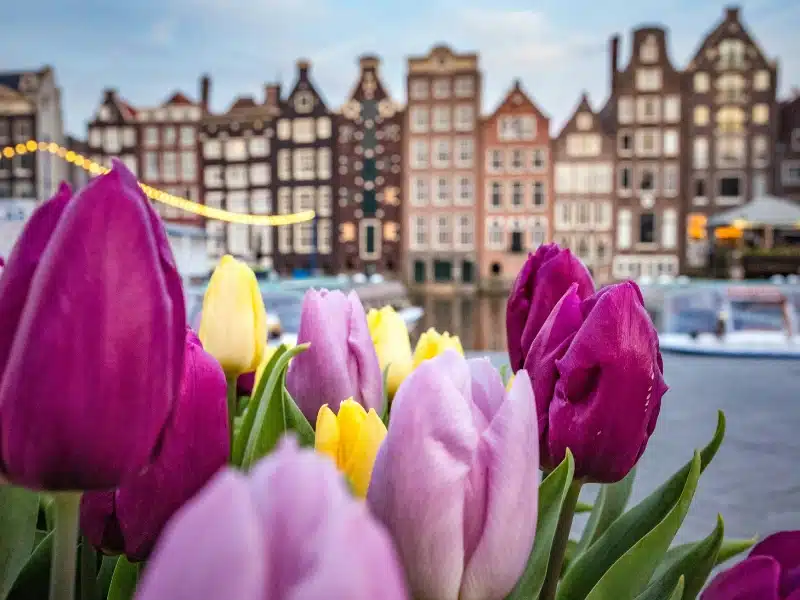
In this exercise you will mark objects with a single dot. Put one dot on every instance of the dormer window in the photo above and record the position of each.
(648, 52)
(584, 121)
(303, 102)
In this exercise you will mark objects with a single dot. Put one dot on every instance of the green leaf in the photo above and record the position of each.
(19, 510)
(632, 526)
(552, 492)
(504, 374)
(569, 555)
(385, 415)
(731, 548)
(33, 580)
(583, 507)
(248, 419)
(124, 580)
(608, 506)
(694, 563)
(677, 593)
(297, 421)
(88, 571)
(270, 420)
(107, 566)
(630, 574)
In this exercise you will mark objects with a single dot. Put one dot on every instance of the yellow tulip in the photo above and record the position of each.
(233, 326)
(432, 343)
(510, 382)
(352, 439)
(390, 337)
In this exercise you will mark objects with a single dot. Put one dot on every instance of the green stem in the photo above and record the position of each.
(560, 542)
(88, 571)
(66, 507)
(233, 400)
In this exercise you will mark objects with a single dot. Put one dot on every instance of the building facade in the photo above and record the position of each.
(77, 176)
(369, 133)
(787, 168)
(646, 98)
(731, 124)
(238, 176)
(442, 168)
(114, 132)
(583, 211)
(305, 154)
(517, 185)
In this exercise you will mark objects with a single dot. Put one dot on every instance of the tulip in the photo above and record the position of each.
(541, 283)
(456, 479)
(94, 270)
(277, 534)
(128, 520)
(771, 572)
(390, 336)
(341, 362)
(233, 326)
(432, 343)
(598, 381)
(351, 438)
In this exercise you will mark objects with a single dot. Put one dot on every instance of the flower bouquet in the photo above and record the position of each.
(352, 467)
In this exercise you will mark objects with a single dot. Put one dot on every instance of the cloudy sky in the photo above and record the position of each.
(149, 48)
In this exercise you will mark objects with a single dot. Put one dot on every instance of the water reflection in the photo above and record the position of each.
(480, 321)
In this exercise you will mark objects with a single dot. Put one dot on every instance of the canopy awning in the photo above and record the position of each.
(762, 211)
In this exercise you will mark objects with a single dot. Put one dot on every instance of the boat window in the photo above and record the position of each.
(757, 316)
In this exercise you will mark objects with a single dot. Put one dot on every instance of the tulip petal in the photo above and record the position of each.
(97, 267)
(488, 392)
(326, 439)
(363, 361)
(392, 345)
(219, 531)
(360, 462)
(784, 547)
(755, 577)
(610, 363)
(99, 522)
(421, 472)
(509, 455)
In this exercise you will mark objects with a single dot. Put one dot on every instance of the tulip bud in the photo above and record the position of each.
(392, 344)
(351, 439)
(341, 362)
(233, 326)
(598, 381)
(456, 479)
(129, 519)
(432, 343)
(287, 531)
(772, 570)
(96, 270)
(543, 280)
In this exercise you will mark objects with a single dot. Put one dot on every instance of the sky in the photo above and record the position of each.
(147, 49)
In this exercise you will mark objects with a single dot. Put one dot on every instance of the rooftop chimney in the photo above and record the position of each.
(303, 65)
(109, 95)
(732, 13)
(205, 92)
(273, 95)
(369, 62)
(614, 51)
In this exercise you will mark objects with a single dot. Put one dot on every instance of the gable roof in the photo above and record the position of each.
(721, 30)
(517, 90)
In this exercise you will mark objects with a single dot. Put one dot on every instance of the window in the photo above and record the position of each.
(303, 164)
(538, 233)
(304, 102)
(701, 83)
(539, 159)
(170, 136)
(579, 145)
(648, 51)
(95, 135)
(669, 229)
(444, 236)
(212, 149)
(761, 81)
(517, 194)
(441, 118)
(129, 137)
(303, 198)
(647, 179)
(284, 129)
(465, 115)
(420, 154)
(564, 216)
(420, 191)
(465, 86)
(262, 203)
(496, 160)
(324, 163)
(647, 228)
(442, 191)
(259, 174)
(730, 119)
(672, 109)
(699, 188)
(419, 89)
(516, 128)
(236, 176)
(441, 88)
(112, 142)
(304, 131)
(648, 110)
(496, 194)
(625, 179)
(670, 142)
(419, 119)
(235, 149)
(538, 194)
(284, 165)
(323, 128)
(151, 165)
(700, 153)
(790, 173)
(625, 109)
(130, 162)
(517, 160)
(465, 231)
(670, 179)
(730, 150)
(701, 116)
(464, 190)
(731, 54)
(151, 136)
(624, 221)
(648, 80)
(259, 146)
(187, 136)
(760, 114)
(419, 227)
(188, 166)
(584, 121)
(729, 188)
(647, 142)
(324, 201)
(494, 234)
(442, 156)
(759, 184)
(625, 143)
(465, 151)
(731, 88)
(760, 151)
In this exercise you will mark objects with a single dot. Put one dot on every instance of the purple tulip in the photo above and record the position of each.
(770, 572)
(544, 278)
(290, 530)
(341, 362)
(92, 320)
(196, 445)
(598, 381)
(456, 479)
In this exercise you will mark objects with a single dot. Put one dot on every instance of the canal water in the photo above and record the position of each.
(754, 481)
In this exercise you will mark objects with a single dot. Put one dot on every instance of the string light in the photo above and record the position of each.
(154, 193)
